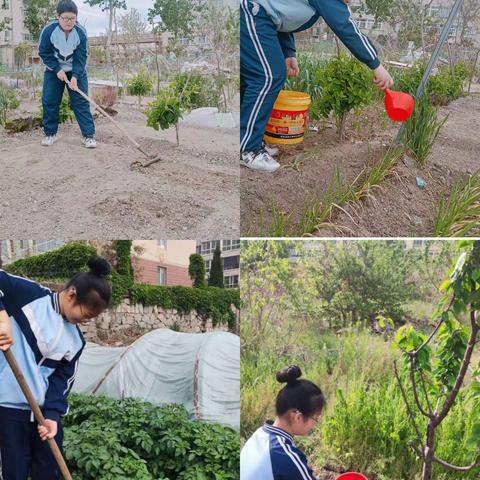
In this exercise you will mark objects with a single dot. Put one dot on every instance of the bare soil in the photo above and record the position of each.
(400, 207)
(67, 191)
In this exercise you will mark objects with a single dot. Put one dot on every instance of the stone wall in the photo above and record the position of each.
(128, 320)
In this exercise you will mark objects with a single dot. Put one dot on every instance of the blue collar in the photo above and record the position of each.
(269, 428)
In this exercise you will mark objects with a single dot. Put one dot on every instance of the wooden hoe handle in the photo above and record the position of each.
(37, 412)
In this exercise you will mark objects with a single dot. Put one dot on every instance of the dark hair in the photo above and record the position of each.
(301, 395)
(65, 6)
(92, 288)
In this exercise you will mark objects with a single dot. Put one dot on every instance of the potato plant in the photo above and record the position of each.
(135, 440)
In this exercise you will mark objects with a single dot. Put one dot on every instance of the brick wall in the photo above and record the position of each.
(146, 271)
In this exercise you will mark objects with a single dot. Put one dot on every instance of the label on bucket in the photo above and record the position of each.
(286, 124)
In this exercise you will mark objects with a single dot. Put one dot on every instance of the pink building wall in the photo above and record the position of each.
(146, 271)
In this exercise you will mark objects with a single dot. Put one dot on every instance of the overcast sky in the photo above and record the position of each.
(96, 21)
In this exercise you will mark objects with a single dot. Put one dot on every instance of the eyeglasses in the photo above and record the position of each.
(68, 19)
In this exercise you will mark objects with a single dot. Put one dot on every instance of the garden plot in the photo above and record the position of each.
(276, 203)
(77, 192)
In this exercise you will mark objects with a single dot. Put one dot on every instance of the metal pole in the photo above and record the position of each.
(434, 57)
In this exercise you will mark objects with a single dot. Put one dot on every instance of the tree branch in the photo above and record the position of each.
(429, 405)
(415, 393)
(405, 399)
(455, 468)
(462, 372)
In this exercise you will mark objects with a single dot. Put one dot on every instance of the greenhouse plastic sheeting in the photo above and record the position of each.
(199, 370)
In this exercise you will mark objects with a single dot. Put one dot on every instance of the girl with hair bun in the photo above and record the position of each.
(270, 453)
(41, 328)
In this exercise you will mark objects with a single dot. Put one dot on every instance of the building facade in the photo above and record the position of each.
(12, 11)
(230, 256)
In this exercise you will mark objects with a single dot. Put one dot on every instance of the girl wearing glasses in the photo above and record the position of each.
(270, 453)
(63, 49)
(42, 329)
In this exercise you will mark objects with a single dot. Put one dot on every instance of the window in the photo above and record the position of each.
(418, 243)
(231, 281)
(162, 276)
(362, 23)
(28, 37)
(7, 35)
(230, 244)
(230, 263)
(208, 264)
(162, 243)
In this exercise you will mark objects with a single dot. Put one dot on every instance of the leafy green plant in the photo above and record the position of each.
(196, 90)
(211, 302)
(345, 84)
(8, 102)
(140, 86)
(133, 439)
(196, 270)
(458, 215)
(61, 263)
(306, 81)
(422, 129)
(165, 111)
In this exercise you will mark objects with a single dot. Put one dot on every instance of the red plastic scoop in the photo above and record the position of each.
(399, 105)
(352, 476)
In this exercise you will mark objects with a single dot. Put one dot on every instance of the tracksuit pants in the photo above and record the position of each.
(262, 73)
(53, 89)
(23, 454)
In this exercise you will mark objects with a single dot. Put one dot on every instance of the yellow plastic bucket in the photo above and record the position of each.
(289, 118)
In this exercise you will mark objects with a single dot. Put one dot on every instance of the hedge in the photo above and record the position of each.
(212, 302)
(63, 262)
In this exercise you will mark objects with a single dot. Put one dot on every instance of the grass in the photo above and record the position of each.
(422, 129)
(317, 213)
(365, 426)
(459, 215)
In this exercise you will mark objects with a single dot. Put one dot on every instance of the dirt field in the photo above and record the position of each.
(401, 208)
(67, 191)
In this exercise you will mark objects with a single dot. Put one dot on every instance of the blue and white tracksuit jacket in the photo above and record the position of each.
(69, 54)
(267, 30)
(271, 454)
(47, 347)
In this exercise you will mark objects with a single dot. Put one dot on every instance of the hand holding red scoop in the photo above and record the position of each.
(352, 476)
(399, 107)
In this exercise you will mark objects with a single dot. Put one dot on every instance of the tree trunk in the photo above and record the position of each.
(177, 134)
(341, 130)
(109, 35)
(429, 452)
(156, 58)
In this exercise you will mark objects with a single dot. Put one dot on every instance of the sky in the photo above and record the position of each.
(96, 21)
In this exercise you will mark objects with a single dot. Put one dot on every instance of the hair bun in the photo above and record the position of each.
(289, 375)
(99, 266)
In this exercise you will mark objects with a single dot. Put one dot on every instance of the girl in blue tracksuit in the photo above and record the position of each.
(41, 328)
(267, 57)
(63, 48)
(270, 453)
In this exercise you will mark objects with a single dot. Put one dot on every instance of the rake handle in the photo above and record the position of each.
(103, 112)
(36, 411)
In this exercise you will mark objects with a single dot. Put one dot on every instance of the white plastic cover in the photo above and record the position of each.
(199, 370)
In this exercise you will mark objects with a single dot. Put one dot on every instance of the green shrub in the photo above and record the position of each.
(63, 262)
(165, 111)
(345, 84)
(8, 102)
(211, 302)
(196, 270)
(196, 90)
(133, 439)
(140, 86)
(441, 88)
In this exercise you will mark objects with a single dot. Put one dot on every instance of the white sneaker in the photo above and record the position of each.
(89, 142)
(49, 140)
(271, 150)
(260, 160)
